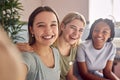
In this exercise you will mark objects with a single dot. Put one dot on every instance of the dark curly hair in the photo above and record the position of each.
(108, 22)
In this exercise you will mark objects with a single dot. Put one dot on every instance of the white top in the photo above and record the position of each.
(95, 59)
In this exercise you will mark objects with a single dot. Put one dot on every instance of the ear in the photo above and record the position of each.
(62, 26)
(31, 30)
(110, 36)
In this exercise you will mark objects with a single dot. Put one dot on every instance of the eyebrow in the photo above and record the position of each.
(40, 22)
(73, 25)
(54, 21)
(76, 26)
(107, 29)
(43, 22)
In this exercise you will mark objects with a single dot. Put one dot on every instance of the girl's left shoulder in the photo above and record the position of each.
(110, 44)
(55, 50)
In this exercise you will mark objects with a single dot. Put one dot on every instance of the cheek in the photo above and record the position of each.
(55, 30)
(34, 30)
(37, 34)
(80, 35)
(93, 34)
(69, 31)
(108, 36)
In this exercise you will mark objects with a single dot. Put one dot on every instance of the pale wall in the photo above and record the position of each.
(62, 7)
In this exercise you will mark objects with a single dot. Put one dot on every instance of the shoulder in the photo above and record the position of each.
(85, 44)
(55, 50)
(27, 56)
(32, 65)
(110, 45)
(29, 59)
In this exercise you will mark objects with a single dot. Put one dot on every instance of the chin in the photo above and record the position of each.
(72, 43)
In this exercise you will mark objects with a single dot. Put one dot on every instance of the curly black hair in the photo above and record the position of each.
(108, 22)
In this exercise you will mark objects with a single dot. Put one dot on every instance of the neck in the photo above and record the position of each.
(45, 54)
(98, 47)
(63, 46)
(41, 50)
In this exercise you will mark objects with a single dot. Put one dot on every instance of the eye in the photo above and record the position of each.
(41, 25)
(81, 30)
(96, 30)
(53, 24)
(106, 32)
(73, 27)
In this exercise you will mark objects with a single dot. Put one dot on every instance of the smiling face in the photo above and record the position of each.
(72, 31)
(45, 28)
(101, 33)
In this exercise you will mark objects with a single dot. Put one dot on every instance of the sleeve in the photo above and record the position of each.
(29, 61)
(112, 52)
(80, 53)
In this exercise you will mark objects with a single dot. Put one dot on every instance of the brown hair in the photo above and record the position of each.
(32, 17)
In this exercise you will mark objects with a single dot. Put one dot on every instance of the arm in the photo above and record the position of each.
(85, 74)
(82, 66)
(108, 71)
(24, 47)
(70, 75)
(10, 60)
(24, 71)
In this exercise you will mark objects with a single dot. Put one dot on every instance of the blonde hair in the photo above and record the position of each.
(70, 17)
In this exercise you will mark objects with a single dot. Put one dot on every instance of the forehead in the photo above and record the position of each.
(76, 22)
(46, 16)
(102, 25)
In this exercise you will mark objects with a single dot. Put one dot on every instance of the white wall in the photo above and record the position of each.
(62, 7)
(28, 6)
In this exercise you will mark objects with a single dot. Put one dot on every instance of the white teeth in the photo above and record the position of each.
(74, 38)
(48, 36)
(99, 38)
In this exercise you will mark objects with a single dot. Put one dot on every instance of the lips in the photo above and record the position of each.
(74, 37)
(48, 37)
(99, 38)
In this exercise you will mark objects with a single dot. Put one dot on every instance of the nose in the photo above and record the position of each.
(77, 33)
(99, 34)
(48, 29)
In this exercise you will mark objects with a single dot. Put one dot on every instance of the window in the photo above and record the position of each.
(104, 9)
(116, 10)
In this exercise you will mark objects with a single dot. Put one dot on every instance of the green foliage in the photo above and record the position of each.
(10, 18)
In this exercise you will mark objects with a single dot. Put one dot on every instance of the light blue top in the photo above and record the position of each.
(95, 59)
(37, 70)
